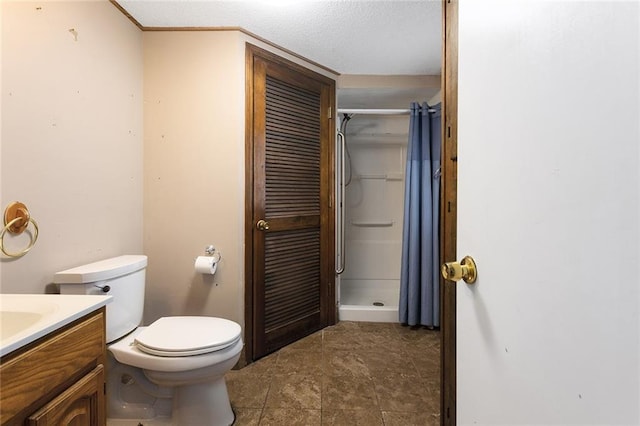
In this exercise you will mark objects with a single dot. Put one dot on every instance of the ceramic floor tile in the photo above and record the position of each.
(247, 416)
(433, 387)
(424, 345)
(340, 340)
(351, 418)
(294, 391)
(392, 418)
(340, 393)
(376, 342)
(262, 367)
(405, 394)
(299, 362)
(396, 340)
(345, 363)
(384, 364)
(377, 327)
(427, 365)
(312, 342)
(419, 339)
(247, 391)
(289, 417)
(359, 341)
(351, 326)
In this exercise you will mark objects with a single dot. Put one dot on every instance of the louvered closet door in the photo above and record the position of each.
(291, 194)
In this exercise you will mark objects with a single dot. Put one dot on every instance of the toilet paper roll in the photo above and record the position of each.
(206, 265)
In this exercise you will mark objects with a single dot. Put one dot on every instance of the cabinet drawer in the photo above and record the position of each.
(33, 376)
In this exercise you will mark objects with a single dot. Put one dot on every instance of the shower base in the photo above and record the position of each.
(369, 300)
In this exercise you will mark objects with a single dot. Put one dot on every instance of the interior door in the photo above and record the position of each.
(548, 205)
(292, 214)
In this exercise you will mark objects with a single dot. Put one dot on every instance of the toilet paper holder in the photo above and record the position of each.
(207, 264)
(211, 251)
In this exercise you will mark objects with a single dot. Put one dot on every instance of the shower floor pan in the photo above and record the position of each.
(370, 301)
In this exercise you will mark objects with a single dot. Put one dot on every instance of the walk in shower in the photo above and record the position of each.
(372, 154)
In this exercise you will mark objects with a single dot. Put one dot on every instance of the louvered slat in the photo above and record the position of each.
(292, 149)
(292, 276)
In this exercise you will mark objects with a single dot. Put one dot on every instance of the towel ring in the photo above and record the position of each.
(16, 220)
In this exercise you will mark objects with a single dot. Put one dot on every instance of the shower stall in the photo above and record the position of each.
(370, 161)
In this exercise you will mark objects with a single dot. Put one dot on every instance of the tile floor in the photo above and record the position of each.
(353, 373)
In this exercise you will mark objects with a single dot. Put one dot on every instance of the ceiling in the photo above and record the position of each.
(372, 37)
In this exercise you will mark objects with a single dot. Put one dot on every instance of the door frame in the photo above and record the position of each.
(448, 209)
(328, 312)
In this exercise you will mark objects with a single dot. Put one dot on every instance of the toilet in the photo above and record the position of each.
(174, 367)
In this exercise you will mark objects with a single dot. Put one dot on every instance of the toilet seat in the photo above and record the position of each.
(187, 336)
(126, 351)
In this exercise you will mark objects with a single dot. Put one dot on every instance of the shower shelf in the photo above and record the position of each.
(378, 135)
(382, 139)
(372, 223)
(391, 176)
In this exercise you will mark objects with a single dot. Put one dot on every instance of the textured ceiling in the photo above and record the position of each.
(349, 36)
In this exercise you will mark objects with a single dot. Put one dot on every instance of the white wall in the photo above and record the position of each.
(549, 206)
(71, 135)
(435, 99)
(194, 171)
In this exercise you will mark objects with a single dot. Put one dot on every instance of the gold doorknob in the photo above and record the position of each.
(465, 270)
(262, 225)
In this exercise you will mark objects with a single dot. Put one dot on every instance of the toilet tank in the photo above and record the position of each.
(122, 278)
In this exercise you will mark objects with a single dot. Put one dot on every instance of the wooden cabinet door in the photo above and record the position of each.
(83, 404)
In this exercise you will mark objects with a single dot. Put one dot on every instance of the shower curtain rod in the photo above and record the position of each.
(378, 111)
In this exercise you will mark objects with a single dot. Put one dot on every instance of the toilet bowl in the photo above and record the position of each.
(191, 355)
(184, 358)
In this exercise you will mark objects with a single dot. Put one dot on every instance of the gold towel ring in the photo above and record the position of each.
(16, 221)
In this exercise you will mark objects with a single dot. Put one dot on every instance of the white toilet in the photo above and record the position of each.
(184, 358)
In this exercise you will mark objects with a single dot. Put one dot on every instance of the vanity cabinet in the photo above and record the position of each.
(58, 380)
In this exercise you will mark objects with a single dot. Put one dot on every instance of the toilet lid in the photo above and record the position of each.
(186, 336)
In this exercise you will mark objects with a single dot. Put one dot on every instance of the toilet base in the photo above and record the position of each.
(203, 403)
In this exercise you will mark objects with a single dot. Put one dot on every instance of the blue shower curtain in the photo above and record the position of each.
(419, 276)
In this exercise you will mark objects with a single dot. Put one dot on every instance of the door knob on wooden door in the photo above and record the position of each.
(464, 270)
(262, 225)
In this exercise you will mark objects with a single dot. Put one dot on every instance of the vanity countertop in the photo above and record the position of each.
(25, 318)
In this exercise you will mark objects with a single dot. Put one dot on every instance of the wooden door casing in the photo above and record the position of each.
(449, 210)
(290, 283)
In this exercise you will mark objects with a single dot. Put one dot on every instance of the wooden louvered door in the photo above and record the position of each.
(292, 248)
